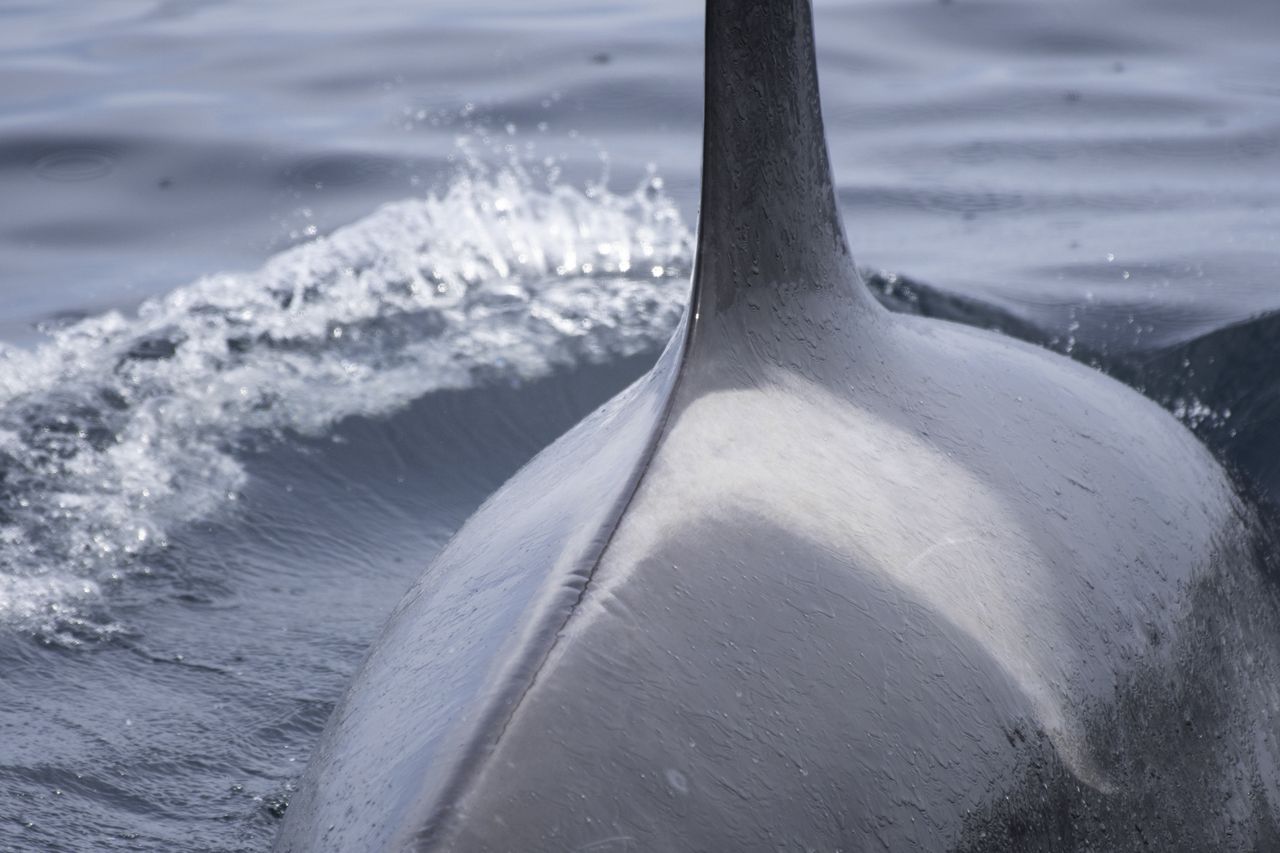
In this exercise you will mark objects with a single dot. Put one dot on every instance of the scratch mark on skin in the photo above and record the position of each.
(948, 540)
(1085, 486)
(604, 844)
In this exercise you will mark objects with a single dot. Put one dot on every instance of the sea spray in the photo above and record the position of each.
(118, 428)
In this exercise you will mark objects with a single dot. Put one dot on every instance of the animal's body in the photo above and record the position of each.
(826, 579)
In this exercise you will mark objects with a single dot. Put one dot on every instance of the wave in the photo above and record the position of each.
(117, 429)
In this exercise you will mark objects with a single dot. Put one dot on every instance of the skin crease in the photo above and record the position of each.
(826, 579)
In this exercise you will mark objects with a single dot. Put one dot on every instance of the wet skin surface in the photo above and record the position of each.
(856, 580)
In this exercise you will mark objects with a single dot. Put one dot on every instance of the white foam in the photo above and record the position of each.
(119, 428)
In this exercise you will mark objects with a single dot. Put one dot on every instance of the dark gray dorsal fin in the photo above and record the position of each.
(769, 217)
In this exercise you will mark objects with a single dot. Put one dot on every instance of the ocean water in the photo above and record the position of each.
(287, 289)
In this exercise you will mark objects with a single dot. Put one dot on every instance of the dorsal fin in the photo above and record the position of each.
(769, 217)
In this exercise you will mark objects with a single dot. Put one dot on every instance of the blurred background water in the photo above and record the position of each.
(287, 289)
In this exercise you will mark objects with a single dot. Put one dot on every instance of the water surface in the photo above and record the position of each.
(287, 289)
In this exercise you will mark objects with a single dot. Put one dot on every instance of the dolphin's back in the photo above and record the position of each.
(820, 626)
(826, 579)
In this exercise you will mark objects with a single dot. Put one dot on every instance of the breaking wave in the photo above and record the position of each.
(117, 429)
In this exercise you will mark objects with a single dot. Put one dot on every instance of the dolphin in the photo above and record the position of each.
(826, 578)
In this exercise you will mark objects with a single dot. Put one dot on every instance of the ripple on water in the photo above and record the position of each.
(76, 164)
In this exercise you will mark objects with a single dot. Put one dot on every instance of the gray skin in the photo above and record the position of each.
(825, 579)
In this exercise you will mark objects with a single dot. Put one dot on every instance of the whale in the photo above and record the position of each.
(825, 578)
